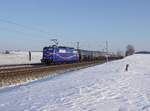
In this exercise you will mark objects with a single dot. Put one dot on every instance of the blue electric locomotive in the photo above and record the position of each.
(59, 54)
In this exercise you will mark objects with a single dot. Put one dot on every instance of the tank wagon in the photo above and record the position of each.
(86, 55)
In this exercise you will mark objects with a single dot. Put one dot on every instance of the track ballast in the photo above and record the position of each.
(15, 74)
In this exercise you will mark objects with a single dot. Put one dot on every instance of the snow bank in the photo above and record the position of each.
(104, 87)
(19, 57)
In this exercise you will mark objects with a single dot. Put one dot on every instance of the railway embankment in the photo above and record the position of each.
(16, 75)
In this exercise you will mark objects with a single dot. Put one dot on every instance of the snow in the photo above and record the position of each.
(20, 57)
(105, 87)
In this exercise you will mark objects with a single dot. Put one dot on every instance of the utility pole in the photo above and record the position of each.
(78, 45)
(106, 51)
(29, 55)
(107, 47)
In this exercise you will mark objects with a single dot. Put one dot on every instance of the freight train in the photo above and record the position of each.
(61, 54)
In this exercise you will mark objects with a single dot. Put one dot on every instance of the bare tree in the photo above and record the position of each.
(119, 53)
(7, 52)
(130, 50)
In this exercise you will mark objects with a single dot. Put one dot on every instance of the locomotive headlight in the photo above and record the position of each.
(50, 53)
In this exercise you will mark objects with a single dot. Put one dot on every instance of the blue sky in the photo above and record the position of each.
(30, 24)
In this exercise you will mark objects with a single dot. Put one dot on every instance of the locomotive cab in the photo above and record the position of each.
(47, 55)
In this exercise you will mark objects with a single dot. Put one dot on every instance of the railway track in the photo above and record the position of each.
(17, 69)
(19, 65)
(15, 74)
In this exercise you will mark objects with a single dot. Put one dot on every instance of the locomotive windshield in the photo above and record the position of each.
(48, 48)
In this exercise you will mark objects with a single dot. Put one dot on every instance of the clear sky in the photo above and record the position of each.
(30, 24)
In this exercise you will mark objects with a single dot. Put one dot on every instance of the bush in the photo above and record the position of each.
(130, 50)
(7, 52)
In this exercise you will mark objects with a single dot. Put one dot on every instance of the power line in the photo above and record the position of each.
(26, 27)
(23, 33)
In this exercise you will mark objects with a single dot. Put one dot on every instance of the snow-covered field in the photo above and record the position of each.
(20, 57)
(104, 87)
